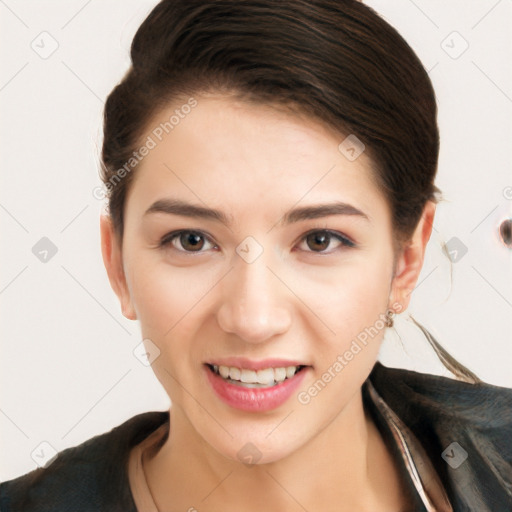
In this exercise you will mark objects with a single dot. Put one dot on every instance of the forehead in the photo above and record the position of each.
(226, 152)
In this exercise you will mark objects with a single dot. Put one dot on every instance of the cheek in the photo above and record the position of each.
(348, 297)
(166, 298)
(168, 302)
(352, 303)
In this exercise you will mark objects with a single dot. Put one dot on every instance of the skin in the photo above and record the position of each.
(254, 163)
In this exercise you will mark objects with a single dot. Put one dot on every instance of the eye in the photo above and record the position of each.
(318, 241)
(187, 241)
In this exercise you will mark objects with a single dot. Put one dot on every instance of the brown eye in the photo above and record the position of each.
(318, 241)
(187, 241)
(191, 241)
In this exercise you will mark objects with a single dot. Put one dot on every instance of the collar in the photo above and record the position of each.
(418, 465)
(412, 456)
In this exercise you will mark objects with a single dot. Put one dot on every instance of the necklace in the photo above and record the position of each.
(153, 506)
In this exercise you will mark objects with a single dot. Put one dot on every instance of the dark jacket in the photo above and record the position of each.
(476, 472)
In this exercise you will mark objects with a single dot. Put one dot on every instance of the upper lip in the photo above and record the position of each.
(249, 364)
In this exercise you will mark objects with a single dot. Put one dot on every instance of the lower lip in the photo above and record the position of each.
(254, 399)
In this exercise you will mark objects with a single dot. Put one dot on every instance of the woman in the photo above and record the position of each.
(270, 169)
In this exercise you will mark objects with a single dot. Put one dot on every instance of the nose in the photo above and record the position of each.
(254, 306)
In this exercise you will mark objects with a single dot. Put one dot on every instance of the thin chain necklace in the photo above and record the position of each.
(156, 509)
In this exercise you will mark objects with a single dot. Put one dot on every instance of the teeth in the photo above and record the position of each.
(267, 376)
(247, 376)
(234, 373)
(290, 371)
(280, 374)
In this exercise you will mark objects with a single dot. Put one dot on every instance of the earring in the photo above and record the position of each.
(389, 318)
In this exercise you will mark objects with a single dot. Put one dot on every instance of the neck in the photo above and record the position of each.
(338, 469)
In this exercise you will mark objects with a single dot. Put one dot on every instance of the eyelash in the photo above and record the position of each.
(170, 237)
(345, 241)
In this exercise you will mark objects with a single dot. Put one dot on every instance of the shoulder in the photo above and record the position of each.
(480, 406)
(465, 428)
(90, 476)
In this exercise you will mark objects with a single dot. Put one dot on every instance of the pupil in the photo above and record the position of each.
(191, 241)
(322, 239)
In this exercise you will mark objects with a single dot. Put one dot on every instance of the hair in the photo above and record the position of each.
(335, 61)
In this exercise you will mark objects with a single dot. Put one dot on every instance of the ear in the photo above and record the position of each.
(410, 260)
(111, 249)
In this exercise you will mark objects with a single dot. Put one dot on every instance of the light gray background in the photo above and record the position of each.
(67, 366)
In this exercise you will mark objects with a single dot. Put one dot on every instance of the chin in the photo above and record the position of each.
(256, 449)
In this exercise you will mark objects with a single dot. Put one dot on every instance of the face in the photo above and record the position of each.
(259, 261)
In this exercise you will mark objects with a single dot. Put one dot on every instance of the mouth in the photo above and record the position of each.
(262, 387)
(247, 378)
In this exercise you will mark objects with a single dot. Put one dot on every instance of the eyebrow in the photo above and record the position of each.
(322, 210)
(184, 209)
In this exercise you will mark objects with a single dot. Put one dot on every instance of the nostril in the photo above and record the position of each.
(253, 319)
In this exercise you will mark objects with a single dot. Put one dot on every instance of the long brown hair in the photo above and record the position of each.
(336, 61)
